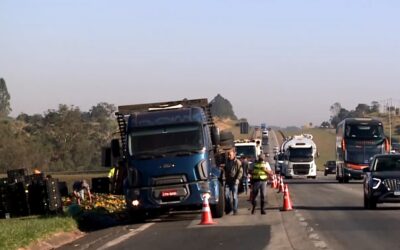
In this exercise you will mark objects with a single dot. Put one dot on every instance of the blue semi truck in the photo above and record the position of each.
(168, 157)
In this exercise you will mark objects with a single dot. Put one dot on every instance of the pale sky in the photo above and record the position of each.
(279, 62)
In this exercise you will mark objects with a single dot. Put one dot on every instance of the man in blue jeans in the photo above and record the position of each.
(233, 175)
(245, 177)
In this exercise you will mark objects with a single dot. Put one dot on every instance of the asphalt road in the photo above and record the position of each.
(336, 213)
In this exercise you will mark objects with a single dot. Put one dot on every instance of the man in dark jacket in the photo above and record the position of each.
(233, 175)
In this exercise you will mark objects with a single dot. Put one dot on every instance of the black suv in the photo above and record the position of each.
(382, 180)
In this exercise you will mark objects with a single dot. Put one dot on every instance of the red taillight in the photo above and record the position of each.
(356, 166)
(343, 145)
(387, 145)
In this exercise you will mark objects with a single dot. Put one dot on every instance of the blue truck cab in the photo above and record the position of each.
(169, 152)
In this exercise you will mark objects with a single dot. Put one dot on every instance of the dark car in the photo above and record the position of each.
(382, 180)
(330, 167)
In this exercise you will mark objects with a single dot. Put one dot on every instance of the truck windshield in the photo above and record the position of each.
(249, 151)
(300, 154)
(364, 131)
(166, 139)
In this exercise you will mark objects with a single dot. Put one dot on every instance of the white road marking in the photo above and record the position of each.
(125, 236)
(312, 235)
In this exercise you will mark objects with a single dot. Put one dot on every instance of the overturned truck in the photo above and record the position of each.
(168, 154)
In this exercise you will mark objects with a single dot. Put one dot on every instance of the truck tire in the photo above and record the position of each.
(217, 210)
(137, 216)
(338, 177)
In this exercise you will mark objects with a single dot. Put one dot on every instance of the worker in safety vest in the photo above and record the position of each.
(112, 176)
(260, 171)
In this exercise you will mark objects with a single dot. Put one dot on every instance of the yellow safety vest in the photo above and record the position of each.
(111, 173)
(259, 171)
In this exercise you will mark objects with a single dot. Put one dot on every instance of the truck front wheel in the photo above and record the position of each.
(217, 210)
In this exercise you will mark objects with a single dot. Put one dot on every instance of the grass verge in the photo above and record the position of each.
(20, 232)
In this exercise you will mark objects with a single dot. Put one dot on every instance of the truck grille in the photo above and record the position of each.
(301, 169)
(169, 180)
(392, 184)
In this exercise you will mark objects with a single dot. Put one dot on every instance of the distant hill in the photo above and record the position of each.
(222, 108)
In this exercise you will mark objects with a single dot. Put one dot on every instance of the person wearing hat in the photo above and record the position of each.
(79, 188)
(260, 171)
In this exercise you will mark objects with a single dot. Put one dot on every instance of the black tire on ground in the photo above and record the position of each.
(369, 203)
(217, 210)
(137, 216)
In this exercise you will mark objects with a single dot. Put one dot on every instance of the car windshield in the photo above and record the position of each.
(387, 164)
(364, 131)
(165, 139)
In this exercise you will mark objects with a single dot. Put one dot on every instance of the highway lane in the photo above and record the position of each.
(336, 213)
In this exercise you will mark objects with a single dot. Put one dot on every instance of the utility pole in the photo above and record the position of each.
(390, 123)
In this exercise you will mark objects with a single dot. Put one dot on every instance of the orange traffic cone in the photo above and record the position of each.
(281, 186)
(273, 181)
(278, 181)
(206, 218)
(287, 203)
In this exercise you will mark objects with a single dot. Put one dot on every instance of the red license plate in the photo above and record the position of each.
(169, 193)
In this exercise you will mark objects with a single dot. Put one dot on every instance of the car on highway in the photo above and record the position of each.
(330, 167)
(382, 180)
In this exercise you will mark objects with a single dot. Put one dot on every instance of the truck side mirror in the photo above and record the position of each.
(106, 157)
(215, 136)
(115, 148)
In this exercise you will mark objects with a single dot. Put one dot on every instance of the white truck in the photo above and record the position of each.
(249, 148)
(299, 154)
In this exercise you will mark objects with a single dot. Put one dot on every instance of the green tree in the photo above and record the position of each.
(5, 107)
(362, 110)
(375, 107)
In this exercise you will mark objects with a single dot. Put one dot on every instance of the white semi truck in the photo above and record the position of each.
(299, 154)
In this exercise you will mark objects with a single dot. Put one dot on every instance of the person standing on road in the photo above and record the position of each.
(260, 171)
(245, 178)
(233, 176)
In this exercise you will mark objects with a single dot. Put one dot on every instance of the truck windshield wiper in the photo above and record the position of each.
(145, 155)
(182, 152)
